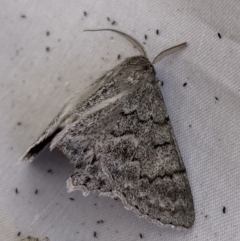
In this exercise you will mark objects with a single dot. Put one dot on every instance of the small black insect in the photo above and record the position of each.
(100, 221)
(224, 209)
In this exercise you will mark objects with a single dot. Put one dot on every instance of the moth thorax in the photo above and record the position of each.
(138, 60)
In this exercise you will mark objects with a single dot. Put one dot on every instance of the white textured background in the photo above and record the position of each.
(34, 84)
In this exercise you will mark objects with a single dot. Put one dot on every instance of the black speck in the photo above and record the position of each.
(162, 83)
(95, 204)
(206, 216)
(47, 33)
(115, 198)
(185, 84)
(100, 221)
(71, 198)
(114, 23)
(19, 123)
(190, 126)
(157, 32)
(145, 36)
(119, 56)
(23, 16)
(224, 209)
(85, 13)
(216, 98)
(95, 234)
(108, 19)
(141, 236)
(50, 171)
(36, 191)
(16, 190)
(47, 49)
(19, 233)
(219, 35)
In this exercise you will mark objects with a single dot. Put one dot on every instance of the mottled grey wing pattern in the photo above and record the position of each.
(108, 86)
(119, 137)
(134, 156)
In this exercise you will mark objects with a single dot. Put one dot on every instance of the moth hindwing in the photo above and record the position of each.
(119, 137)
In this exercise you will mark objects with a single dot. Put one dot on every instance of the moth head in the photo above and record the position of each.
(140, 63)
(135, 69)
(140, 47)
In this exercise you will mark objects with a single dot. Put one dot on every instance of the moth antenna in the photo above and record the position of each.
(135, 43)
(169, 51)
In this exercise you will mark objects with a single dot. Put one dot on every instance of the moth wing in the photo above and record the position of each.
(150, 176)
(64, 117)
(128, 150)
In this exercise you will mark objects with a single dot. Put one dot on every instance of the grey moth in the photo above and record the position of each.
(119, 138)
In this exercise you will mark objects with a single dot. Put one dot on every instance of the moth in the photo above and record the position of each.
(118, 135)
